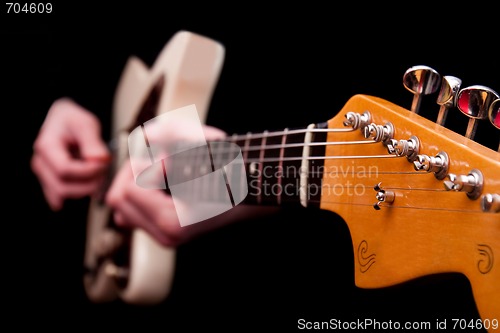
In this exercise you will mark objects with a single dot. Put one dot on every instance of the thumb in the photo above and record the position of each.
(89, 141)
(213, 133)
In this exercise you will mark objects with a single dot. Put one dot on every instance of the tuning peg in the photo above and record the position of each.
(475, 102)
(447, 96)
(421, 80)
(472, 183)
(490, 203)
(494, 115)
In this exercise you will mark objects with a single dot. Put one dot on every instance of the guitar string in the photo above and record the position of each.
(259, 147)
(372, 196)
(311, 158)
(251, 136)
(281, 159)
(343, 174)
(363, 187)
(384, 205)
(478, 211)
(385, 188)
(311, 144)
(246, 138)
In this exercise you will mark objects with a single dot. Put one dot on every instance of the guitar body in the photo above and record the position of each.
(132, 266)
(426, 230)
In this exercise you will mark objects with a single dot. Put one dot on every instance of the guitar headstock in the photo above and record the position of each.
(418, 198)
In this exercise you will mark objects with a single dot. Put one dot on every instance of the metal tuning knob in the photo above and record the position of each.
(438, 164)
(494, 115)
(475, 102)
(471, 184)
(421, 80)
(490, 203)
(447, 96)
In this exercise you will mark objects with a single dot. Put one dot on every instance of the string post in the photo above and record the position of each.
(356, 120)
(379, 133)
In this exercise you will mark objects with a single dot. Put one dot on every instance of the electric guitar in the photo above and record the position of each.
(132, 266)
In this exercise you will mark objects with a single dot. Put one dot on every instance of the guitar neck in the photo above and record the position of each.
(284, 167)
(269, 168)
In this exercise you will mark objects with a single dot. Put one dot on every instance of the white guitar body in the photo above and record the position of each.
(189, 66)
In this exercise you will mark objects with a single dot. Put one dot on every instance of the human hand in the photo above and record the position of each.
(151, 209)
(69, 156)
(154, 210)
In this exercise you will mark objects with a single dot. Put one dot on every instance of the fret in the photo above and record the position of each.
(216, 153)
(304, 167)
(253, 169)
(290, 171)
(198, 164)
(203, 164)
(262, 153)
(234, 172)
(271, 173)
(246, 146)
(280, 165)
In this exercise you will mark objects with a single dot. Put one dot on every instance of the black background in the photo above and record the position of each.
(284, 67)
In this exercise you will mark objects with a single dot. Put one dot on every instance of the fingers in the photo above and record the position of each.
(152, 210)
(56, 190)
(213, 133)
(56, 156)
(88, 138)
(156, 206)
(165, 133)
(127, 215)
(66, 126)
(63, 174)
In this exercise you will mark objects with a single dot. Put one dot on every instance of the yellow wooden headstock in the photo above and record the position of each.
(418, 226)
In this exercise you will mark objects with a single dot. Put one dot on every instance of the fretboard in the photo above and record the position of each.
(269, 168)
(280, 165)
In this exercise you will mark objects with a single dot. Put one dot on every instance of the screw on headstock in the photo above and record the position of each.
(447, 96)
(475, 102)
(494, 115)
(421, 80)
